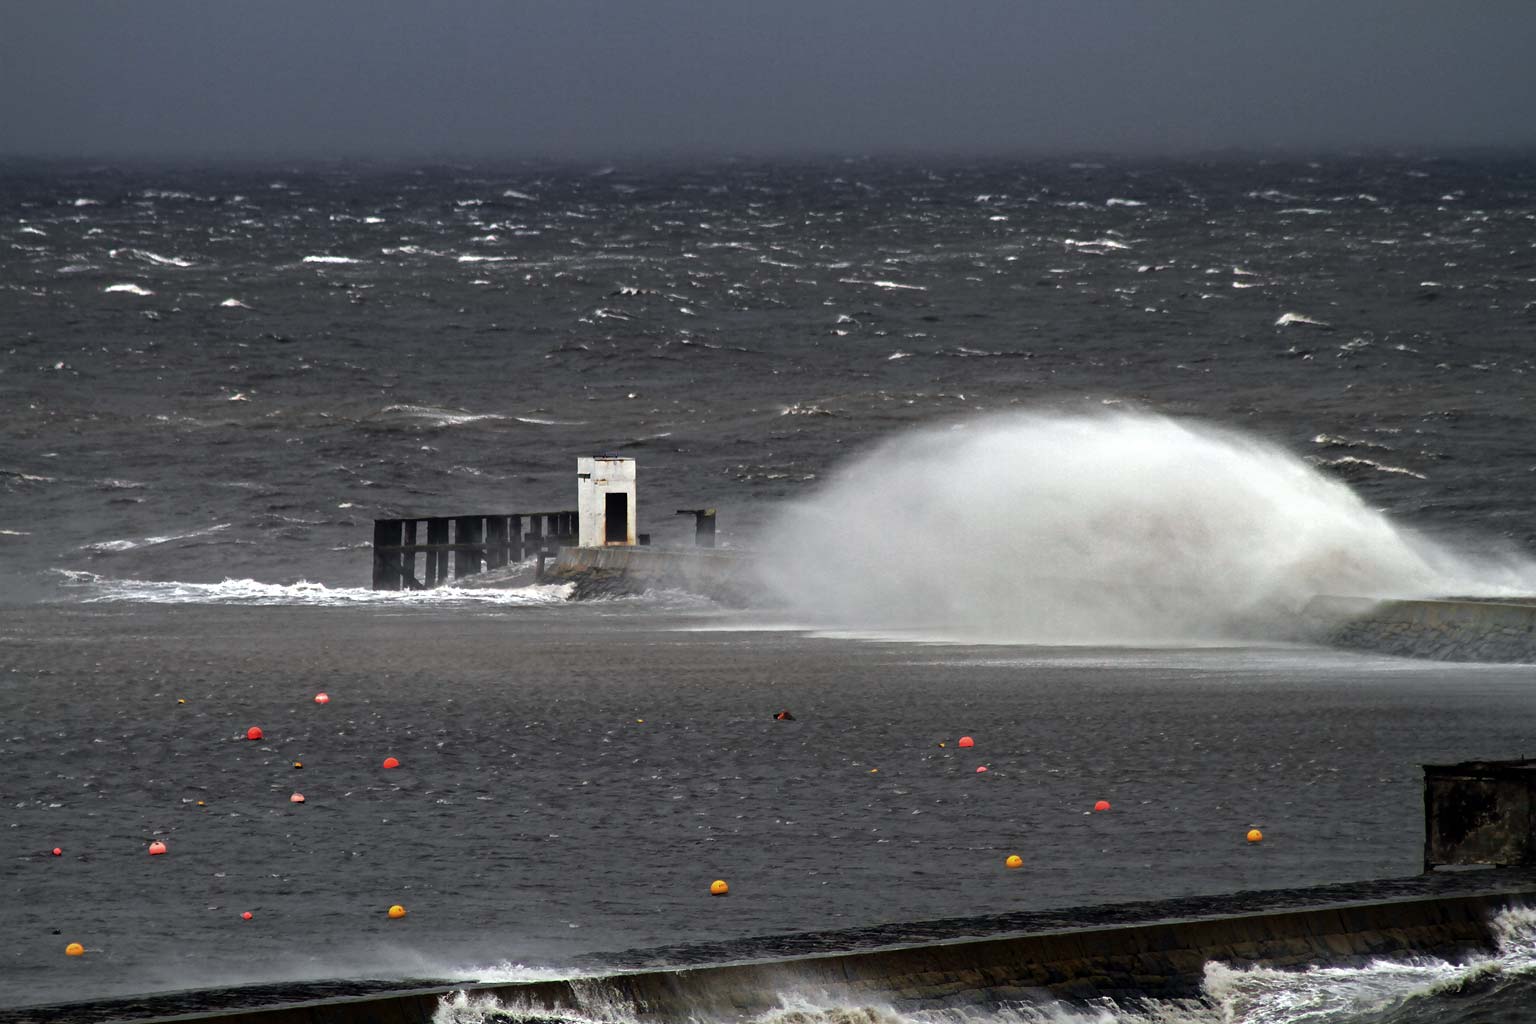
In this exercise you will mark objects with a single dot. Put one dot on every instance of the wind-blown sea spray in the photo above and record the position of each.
(1119, 527)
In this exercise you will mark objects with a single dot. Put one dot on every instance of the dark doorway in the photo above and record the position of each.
(615, 518)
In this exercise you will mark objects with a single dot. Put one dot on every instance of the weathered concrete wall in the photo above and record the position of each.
(601, 572)
(1450, 630)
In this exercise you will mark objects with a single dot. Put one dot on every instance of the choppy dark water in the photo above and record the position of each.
(447, 338)
(217, 374)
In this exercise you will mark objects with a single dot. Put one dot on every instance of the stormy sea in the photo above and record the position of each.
(1047, 454)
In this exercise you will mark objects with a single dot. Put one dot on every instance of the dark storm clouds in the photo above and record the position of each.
(586, 78)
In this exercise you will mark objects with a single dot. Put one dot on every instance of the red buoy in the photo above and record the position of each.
(297, 798)
(390, 762)
(1102, 805)
(246, 916)
(253, 733)
(966, 741)
(156, 848)
(322, 698)
(980, 768)
(57, 852)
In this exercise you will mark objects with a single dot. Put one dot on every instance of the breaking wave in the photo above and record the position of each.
(1117, 528)
(91, 588)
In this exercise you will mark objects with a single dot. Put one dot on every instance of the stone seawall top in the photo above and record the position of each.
(1461, 629)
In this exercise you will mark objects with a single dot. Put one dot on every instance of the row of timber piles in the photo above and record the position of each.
(470, 544)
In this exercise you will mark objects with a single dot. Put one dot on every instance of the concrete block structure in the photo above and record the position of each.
(1480, 812)
(605, 501)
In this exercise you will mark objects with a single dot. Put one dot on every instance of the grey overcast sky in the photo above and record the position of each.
(594, 79)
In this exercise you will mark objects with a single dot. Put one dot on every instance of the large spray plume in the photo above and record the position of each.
(1116, 528)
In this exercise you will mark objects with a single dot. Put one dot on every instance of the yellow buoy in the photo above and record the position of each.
(74, 949)
(1255, 836)
(396, 912)
(1014, 861)
(719, 888)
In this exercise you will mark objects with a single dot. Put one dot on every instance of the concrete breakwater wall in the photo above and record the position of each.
(610, 571)
(1444, 630)
(1127, 951)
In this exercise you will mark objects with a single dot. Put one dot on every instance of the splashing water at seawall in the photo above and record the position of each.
(1405, 990)
(1119, 528)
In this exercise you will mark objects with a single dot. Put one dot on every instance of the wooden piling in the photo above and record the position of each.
(437, 553)
(495, 542)
(386, 557)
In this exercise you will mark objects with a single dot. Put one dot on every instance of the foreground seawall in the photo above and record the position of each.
(1155, 949)
(1443, 630)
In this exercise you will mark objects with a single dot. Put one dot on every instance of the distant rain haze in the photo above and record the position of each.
(587, 79)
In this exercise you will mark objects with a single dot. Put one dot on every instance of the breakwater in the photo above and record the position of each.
(1443, 630)
(1127, 951)
(724, 576)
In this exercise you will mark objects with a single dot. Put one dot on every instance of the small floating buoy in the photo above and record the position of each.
(1014, 861)
(966, 741)
(156, 848)
(58, 851)
(719, 888)
(1102, 805)
(201, 803)
(296, 798)
(396, 912)
(246, 916)
(253, 733)
(181, 700)
(322, 698)
(390, 762)
(1255, 836)
(298, 764)
(980, 768)
(74, 949)
(784, 716)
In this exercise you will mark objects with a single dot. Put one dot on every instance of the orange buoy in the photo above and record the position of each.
(396, 912)
(1014, 861)
(298, 764)
(719, 888)
(390, 762)
(246, 916)
(296, 798)
(322, 698)
(980, 768)
(1255, 836)
(253, 733)
(58, 852)
(1102, 805)
(966, 741)
(156, 848)
(74, 949)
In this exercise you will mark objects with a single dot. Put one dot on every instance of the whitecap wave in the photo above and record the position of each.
(887, 285)
(130, 289)
(441, 417)
(329, 259)
(145, 256)
(1287, 319)
(127, 544)
(93, 589)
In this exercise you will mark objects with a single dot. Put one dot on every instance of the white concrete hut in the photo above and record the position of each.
(605, 501)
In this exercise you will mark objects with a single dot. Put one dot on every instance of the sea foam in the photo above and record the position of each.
(1116, 528)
